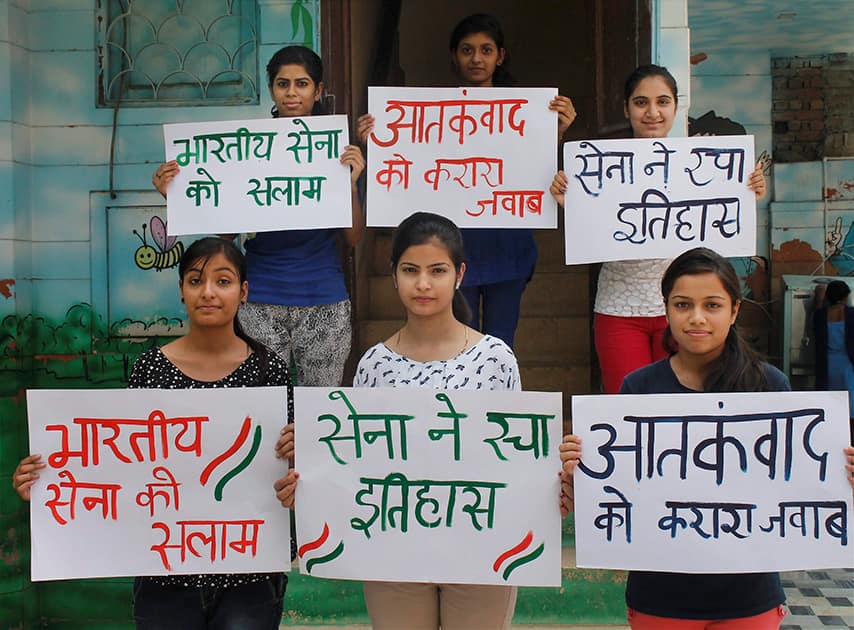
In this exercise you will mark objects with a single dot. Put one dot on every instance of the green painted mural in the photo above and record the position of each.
(80, 294)
(36, 352)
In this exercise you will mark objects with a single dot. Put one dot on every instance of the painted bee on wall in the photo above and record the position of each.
(171, 249)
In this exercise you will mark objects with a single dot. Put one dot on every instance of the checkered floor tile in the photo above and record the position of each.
(819, 600)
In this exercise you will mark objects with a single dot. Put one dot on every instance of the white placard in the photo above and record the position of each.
(417, 484)
(656, 198)
(713, 483)
(258, 175)
(157, 482)
(483, 157)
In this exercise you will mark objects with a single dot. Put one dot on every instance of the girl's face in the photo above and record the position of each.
(476, 58)
(294, 92)
(426, 279)
(212, 291)
(700, 313)
(651, 108)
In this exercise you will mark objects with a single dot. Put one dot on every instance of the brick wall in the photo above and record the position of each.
(812, 112)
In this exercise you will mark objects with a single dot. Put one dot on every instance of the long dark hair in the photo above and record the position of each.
(489, 25)
(738, 368)
(649, 70)
(299, 56)
(202, 250)
(837, 292)
(422, 227)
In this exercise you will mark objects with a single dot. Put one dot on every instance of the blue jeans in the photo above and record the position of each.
(499, 303)
(254, 606)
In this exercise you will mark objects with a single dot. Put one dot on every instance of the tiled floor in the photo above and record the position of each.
(819, 600)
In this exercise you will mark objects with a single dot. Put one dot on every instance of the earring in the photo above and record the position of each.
(182, 300)
(457, 287)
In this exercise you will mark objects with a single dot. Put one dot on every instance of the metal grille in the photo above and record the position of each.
(177, 52)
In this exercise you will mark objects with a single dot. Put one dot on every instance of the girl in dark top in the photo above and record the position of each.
(298, 303)
(500, 261)
(702, 296)
(833, 328)
(215, 352)
(628, 317)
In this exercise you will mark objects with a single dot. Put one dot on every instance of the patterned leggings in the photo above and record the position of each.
(319, 337)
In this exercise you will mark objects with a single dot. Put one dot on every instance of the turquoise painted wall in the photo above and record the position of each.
(737, 86)
(67, 277)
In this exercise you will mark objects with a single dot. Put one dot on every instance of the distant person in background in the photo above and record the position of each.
(833, 326)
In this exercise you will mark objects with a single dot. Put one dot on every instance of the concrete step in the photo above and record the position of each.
(553, 341)
(567, 380)
(556, 294)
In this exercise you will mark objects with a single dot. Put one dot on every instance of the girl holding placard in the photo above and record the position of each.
(702, 297)
(214, 353)
(500, 261)
(299, 305)
(435, 348)
(629, 322)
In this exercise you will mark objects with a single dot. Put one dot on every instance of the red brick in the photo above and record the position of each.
(796, 105)
(817, 103)
(807, 94)
(808, 135)
(809, 115)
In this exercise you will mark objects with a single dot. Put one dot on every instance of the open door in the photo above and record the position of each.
(622, 41)
(586, 49)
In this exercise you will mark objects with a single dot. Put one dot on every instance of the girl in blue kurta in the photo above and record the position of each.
(298, 303)
(500, 262)
(833, 327)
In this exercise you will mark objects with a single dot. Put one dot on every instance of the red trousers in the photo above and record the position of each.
(769, 620)
(624, 344)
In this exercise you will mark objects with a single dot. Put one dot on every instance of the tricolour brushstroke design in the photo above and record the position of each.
(231, 474)
(241, 438)
(522, 546)
(314, 544)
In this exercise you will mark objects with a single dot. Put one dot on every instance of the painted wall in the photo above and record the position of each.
(672, 49)
(805, 200)
(75, 307)
(743, 83)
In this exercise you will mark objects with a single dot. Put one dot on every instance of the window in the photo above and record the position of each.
(177, 52)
